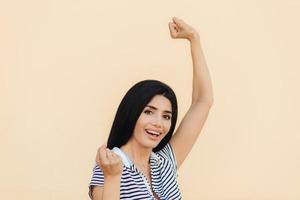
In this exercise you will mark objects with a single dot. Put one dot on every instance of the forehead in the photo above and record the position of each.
(161, 102)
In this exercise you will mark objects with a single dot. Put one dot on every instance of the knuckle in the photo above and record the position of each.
(98, 162)
(105, 162)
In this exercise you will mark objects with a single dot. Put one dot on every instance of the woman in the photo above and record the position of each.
(142, 156)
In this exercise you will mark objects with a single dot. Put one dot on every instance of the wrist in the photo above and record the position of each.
(194, 37)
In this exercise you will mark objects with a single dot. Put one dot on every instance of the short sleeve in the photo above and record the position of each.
(168, 154)
(97, 179)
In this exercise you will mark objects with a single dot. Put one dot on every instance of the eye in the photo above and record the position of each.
(147, 111)
(168, 117)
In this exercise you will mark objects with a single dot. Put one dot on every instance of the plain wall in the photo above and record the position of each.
(65, 66)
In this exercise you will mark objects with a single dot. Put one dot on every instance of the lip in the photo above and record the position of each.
(152, 137)
(158, 131)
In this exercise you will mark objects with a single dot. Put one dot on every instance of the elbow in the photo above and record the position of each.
(210, 102)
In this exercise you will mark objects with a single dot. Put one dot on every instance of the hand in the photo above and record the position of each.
(110, 163)
(180, 29)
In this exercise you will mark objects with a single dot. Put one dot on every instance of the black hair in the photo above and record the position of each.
(132, 105)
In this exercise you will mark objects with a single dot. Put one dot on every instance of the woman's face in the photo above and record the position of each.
(154, 122)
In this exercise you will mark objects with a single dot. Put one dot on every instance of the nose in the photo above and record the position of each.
(157, 122)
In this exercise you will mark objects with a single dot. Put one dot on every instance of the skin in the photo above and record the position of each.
(139, 146)
(152, 118)
(156, 118)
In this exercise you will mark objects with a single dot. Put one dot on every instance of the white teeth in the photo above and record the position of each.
(153, 132)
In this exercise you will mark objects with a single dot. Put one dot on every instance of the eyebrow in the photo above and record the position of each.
(167, 111)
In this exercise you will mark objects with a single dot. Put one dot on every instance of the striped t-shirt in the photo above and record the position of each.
(134, 185)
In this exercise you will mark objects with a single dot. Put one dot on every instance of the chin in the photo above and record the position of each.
(151, 145)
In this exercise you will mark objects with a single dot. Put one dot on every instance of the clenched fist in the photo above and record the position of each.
(179, 29)
(110, 163)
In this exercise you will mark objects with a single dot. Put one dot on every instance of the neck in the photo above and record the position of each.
(137, 154)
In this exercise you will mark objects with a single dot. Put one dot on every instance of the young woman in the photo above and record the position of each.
(142, 156)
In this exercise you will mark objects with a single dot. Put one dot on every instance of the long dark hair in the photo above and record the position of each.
(132, 105)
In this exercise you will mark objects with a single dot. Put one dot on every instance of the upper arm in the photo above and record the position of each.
(97, 192)
(188, 130)
(96, 184)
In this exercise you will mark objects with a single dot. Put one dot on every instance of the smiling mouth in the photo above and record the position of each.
(153, 133)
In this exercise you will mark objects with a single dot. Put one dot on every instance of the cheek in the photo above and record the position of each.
(167, 126)
(140, 124)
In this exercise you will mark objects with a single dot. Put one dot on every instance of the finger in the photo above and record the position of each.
(113, 158)
(108, 154)
(102, 154)
(173, 31)
(179, 22)
(113, 154)
(116, 157)
(98, 153)
(119, 159)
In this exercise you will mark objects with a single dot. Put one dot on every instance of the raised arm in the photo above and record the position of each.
(202, 96)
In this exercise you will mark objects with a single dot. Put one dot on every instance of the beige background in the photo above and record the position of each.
(65, 65)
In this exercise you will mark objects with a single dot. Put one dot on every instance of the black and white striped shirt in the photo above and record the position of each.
(134, 185)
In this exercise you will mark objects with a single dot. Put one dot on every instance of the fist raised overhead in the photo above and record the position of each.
(179, 29)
